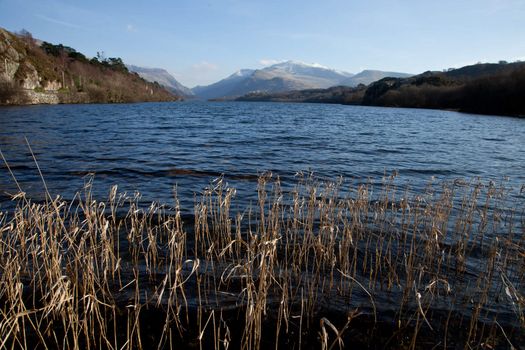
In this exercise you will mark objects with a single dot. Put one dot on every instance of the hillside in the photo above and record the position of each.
(336, 94)
(368, 76)
(162, 77)
(280, 77)
(288, 76)
(35, 72)
(487, 88)
(224, 87)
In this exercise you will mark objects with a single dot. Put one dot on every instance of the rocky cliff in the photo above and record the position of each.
(34, 72)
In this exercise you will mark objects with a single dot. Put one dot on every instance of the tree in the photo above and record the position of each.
(9, 92)
(117, 64)
(26, 36)
(101, 57)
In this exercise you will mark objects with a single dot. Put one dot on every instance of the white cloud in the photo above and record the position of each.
(131, 28)
(57, 21)
(269, 62)
(199, 73)
(204, 66)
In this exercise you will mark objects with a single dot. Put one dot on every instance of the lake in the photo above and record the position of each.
(153, 147)
(443, 264)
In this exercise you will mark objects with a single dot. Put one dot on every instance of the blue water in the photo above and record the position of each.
(153, 147)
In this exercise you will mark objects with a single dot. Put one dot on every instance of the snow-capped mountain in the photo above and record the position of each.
(162, 77)
(315, 73)
(284, 76)
(223, 87)
(287, 76)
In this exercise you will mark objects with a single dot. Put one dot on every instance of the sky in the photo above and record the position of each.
(200, 42)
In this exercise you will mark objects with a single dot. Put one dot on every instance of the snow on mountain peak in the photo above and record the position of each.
(300, 67)
(281, 76)
(291, 64)
(242, 73)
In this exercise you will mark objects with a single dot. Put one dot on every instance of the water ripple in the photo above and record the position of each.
(153, 147)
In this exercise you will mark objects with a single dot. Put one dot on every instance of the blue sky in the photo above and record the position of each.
(200, 42)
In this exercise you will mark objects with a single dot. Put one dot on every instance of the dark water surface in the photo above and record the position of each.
(153, 147)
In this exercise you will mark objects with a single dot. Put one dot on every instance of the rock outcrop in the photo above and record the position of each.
(49, 74)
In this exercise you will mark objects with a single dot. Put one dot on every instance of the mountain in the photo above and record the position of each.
(284, 76)
(223, 87)
(162, 77)
(314, 75)
(485, 88)
(335, 94)
(479, 70)
(34, 72)
(369, 76)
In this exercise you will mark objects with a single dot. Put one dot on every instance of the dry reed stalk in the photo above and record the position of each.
(79, 275)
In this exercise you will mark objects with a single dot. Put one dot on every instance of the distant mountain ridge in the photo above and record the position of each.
(283, 76)
(224, 87)
(485, 88)
(286, 76)
(311, 74)
(162, 77)
(368, 76)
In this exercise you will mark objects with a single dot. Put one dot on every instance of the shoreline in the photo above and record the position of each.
(58, 98)
(255, 101)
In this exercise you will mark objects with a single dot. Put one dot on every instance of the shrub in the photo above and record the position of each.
(10, 92)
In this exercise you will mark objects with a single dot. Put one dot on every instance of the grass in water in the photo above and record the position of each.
(322, 265)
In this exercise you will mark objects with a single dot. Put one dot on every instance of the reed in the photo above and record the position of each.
(315, 264)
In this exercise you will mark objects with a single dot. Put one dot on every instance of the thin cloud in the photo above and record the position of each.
(269, 62)
(199, 73)
(204, 66)
(57, 21)
(131, 28)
